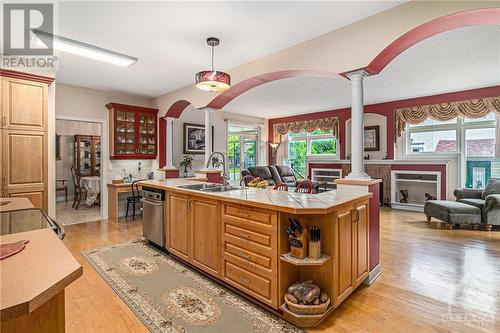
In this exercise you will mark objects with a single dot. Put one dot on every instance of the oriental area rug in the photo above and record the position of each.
(169, 296)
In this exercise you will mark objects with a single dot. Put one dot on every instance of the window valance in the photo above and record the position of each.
(473, 108)
(324, 124)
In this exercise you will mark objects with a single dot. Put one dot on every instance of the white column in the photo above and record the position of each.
(208, 134)
(357, 127)
(170, 142)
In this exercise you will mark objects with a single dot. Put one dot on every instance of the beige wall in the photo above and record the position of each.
(219, 121)
(370, 119)
(351, 47)
(78, 103)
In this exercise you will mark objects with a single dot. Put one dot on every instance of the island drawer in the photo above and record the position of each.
(262, 288)
(250, 240)
(262, 264)
(251, 217)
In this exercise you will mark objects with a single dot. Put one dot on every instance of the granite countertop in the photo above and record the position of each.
(31, 277)
(297, 203)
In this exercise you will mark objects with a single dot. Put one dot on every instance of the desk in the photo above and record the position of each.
(114, 191)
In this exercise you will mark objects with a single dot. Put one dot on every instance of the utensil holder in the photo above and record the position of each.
(297, 252)
(315, 250)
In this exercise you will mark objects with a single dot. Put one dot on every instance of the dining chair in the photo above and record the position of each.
(246, 179)
(62, 187)
(80, 192)
(280, 187)
(134, 199)
(304, 186)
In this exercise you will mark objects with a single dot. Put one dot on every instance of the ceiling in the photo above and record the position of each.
(457, 60)
(169, 37)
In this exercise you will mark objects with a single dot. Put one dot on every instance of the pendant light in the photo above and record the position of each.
(213, 80)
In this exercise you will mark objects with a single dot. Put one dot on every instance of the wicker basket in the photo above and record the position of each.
(307, 309)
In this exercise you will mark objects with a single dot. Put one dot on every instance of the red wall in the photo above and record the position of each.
(385, 109)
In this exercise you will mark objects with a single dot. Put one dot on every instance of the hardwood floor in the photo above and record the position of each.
(433, 280)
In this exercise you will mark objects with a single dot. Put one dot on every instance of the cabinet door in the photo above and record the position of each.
(146, 145)
(24, 161)
(343, 270)
(205, 235)
(24, 105)
(178, 226)
(125, 144)
(361, 261)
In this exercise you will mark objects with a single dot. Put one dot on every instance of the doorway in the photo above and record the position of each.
(242, 149)
(79, 171)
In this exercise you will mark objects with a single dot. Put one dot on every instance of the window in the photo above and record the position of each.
(241, 149)
(433, 142)
(473, 139)
(303, 144)
(479, 153)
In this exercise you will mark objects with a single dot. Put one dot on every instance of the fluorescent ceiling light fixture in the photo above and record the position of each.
(82, 49)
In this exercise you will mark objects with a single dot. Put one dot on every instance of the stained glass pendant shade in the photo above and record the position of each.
(213, 80)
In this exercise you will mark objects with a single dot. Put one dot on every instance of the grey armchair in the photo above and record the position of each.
(487, 200)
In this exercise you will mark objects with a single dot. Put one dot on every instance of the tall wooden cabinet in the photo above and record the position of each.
(24, 108)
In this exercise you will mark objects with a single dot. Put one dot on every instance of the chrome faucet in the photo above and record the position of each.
(225, 177)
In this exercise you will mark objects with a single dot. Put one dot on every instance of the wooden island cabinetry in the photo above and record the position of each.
(193, 231)
(243, 243)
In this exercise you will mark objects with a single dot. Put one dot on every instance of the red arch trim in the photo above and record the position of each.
(449, 22)
(227, 96)
(177, 108)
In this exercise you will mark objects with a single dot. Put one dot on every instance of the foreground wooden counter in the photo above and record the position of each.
(32, 283)
(239, 238)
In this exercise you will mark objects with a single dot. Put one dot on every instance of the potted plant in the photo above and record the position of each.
(187, 163)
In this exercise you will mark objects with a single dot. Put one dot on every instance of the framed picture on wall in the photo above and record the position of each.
(194, 139)
(372, 138)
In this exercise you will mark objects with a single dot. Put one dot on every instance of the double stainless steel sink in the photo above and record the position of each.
(208, 187)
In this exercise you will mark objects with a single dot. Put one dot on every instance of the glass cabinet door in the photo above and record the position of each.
(125, 133)
(147, 134)
(83, 150)
(97, 156)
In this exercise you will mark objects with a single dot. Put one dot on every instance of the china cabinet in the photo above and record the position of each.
(134, 132)
(87, 155)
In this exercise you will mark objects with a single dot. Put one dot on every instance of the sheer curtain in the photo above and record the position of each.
(282, 151)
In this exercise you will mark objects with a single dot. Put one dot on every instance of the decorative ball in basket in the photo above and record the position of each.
(306, 298)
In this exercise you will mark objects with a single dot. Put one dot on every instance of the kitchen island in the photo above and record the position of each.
(240, 238)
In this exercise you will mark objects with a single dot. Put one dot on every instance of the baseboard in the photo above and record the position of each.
(373, 275)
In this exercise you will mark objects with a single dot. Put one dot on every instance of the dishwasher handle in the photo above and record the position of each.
(149, 202)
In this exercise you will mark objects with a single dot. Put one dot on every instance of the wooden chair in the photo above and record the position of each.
(134, 199)
(62, 187)
(280, 187)
(246, 179)
(80, 193)
(304, 186)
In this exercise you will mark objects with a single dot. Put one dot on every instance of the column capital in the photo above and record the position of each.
(206, 108)
(357, 74)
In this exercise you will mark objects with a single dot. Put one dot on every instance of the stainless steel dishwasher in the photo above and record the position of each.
(153, 210)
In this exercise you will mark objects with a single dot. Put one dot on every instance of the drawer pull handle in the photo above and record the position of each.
(244, 256)
(244, 280)
(244, 235)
